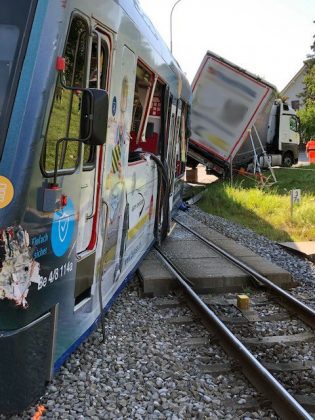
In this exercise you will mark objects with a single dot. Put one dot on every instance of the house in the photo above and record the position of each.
(294, 88)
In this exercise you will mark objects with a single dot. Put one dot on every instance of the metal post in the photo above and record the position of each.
(171, 25)
(265, 156)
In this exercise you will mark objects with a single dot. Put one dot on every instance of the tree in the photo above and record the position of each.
(307, 114)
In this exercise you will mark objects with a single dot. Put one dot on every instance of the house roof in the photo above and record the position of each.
(294, 79)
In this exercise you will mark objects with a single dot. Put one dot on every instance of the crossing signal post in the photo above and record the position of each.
(295, 199)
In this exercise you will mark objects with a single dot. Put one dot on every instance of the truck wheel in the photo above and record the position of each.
(287, 159)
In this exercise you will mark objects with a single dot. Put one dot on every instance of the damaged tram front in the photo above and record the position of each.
(93, 138)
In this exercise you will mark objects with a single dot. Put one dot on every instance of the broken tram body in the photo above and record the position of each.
(93, 139)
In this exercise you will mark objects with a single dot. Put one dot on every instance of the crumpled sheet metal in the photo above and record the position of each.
(18, 269)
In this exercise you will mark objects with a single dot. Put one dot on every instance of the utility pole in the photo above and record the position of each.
(171, 25)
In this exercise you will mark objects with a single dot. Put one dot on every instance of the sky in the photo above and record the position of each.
(269, 38)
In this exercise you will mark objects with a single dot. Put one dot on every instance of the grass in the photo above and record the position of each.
(58, 129)
(267, 210)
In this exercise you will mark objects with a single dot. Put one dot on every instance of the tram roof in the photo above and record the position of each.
(147, 29)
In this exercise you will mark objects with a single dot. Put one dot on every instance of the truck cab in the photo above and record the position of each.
(283, 137)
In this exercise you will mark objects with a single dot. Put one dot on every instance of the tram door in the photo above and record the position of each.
(173, 149)
(97, 78)
(115, 191)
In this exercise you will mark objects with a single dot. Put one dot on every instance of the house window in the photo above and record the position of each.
(295, 104)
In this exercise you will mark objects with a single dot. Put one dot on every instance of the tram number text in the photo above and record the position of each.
(55, 274)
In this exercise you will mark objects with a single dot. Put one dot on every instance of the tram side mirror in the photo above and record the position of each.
(94, 114)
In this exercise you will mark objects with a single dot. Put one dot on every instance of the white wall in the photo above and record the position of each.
(295, 87)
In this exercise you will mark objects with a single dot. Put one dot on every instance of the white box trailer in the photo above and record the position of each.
(227, 102)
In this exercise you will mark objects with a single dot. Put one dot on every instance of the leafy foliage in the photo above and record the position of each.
(307, 114)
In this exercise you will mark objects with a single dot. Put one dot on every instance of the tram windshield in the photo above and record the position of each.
(14, 19)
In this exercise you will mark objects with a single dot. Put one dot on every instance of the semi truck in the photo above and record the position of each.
(236, 117)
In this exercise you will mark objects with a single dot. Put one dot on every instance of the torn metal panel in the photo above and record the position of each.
(18, 269)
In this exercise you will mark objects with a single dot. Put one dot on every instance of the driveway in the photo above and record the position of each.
(303, 160)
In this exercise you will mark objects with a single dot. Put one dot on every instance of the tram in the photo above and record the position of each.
(94, 114)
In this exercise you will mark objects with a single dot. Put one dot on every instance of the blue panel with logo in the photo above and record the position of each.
(62, 229)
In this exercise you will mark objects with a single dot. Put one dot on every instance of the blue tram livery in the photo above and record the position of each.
(94, 115)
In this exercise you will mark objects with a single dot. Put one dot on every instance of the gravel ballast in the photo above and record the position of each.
(145, 371)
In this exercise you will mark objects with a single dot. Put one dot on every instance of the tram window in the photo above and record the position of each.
(141, 98)
(93, 77)
(16, 18)
(64, 119)
(97, 79)
(146, 116)
(11, 34)
(89, 156)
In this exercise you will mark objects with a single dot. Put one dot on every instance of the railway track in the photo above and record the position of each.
(294, 305)
(249, 329)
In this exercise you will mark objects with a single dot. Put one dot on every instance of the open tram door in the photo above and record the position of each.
(173, 150)
(148, 138)
(169, 152)
(176, 117)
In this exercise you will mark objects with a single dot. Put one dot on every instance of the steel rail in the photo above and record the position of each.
(306, 313)
(283, 403)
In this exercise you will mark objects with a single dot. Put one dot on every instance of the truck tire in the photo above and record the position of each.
(287, 159)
